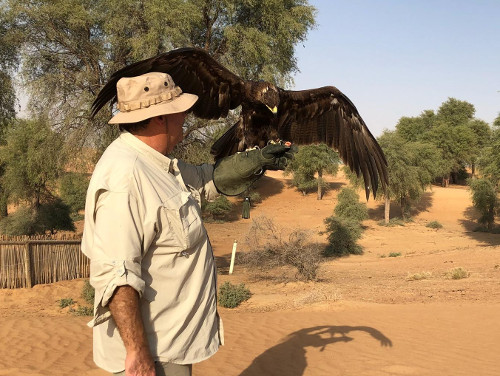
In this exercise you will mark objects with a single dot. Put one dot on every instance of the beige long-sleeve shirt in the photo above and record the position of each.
(143, 229)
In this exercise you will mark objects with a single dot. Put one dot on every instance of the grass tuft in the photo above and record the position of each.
(418, 276)
(66, 302)
(434, 224)
(458, 273)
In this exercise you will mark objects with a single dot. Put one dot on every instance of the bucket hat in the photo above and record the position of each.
(149, 95)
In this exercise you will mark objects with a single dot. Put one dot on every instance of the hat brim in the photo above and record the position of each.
(180, 104)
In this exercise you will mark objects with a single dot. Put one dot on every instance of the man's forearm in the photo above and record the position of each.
(124, 307)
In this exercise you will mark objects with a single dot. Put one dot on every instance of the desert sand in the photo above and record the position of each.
(364, 316)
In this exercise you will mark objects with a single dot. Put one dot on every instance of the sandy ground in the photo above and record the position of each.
(365, 316)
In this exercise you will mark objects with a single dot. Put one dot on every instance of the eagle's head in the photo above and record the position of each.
(265, 93)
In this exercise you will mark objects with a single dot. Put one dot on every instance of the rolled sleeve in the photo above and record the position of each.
(117, 250)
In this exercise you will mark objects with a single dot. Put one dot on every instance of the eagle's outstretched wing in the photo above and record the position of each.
(326, 115)
(195, 72)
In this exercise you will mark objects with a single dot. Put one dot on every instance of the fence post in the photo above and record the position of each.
(27, 264)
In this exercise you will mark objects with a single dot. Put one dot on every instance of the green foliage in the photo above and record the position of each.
(412, 167)
(434, 224)
(309, 161)
(349, 207)
(489, 161)
(485, 200)
(51, 216)
(32, 160)
(343, 235)
(457, 135)
(344, 228)
(219, 208)
(74, 45)
(88, 292)
(66, 302)
(231, 296)
(73, 190)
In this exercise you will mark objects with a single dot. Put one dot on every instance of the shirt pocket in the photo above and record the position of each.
(183, 215)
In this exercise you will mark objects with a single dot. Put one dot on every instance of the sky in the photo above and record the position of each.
(397, 58)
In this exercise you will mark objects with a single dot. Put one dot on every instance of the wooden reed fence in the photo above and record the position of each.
(27, 261)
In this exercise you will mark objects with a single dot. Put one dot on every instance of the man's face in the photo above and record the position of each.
(174, 124)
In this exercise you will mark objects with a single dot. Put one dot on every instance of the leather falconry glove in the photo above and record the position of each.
(235, 174)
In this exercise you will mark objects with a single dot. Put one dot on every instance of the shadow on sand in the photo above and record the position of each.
(470, 224)
(289, 357)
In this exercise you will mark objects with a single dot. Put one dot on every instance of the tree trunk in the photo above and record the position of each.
(320, 181)
(387, 209)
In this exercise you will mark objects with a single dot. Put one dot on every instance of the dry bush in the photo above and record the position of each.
(418, 276)
(271, 248)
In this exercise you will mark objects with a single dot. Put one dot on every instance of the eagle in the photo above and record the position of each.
(268, 113)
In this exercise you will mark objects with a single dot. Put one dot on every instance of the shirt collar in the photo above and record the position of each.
(163, 161)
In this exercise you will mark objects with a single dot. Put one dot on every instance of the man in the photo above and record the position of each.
(152, 265)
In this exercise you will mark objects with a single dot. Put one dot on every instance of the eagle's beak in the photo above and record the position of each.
(274, 110)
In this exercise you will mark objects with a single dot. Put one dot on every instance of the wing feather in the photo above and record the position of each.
(326, 115)
(195, 72)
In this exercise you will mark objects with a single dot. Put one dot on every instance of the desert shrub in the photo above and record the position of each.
(343, 235)
(219, 208)
(231, 296)
(83, 311)
(271, 248)
(73, 189)
(418, 276)
(394, 254)
(52, 216)
(434, 224)
(66, 302)
(457, 273)
(349, 207)
(88, 292)
(344, 228)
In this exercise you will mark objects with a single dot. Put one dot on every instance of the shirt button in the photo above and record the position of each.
(185, 254)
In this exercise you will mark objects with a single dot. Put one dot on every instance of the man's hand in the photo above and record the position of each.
(124, 307)
(139, 363)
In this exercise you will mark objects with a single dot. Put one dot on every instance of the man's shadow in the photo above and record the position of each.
(289, 357)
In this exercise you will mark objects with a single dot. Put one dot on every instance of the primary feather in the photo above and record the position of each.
(323, 115)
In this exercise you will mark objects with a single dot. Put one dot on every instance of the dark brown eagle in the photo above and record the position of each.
(323, 115)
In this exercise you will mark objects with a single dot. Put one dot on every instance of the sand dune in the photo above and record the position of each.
(363, 317)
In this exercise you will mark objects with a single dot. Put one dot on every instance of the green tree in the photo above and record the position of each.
(412, 166)
(74, 45)
(51, 216)
(73, 190)
(313, 160)
(33, 161)
(489, 161)
(459, 137)
(485, 200)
